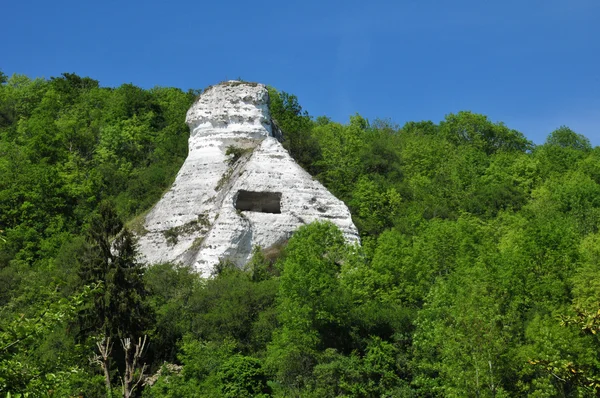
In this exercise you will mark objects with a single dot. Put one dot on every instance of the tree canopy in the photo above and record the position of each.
(477, 273)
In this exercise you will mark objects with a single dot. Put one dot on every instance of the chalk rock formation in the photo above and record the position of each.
(222, 205)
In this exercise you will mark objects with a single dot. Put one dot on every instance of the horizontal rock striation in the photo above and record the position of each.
(238, 187)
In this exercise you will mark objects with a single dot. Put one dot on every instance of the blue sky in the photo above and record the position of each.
(532, 64)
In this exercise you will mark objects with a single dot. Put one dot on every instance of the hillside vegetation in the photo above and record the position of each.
(478, 274)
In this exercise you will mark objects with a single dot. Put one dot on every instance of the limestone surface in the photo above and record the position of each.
(238, 187)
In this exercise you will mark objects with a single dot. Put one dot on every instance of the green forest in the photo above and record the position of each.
(478, 273)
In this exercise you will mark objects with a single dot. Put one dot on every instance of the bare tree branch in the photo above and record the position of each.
(103, 360)
(130, 382)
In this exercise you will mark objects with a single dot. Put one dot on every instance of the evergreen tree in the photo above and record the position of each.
(121, 310)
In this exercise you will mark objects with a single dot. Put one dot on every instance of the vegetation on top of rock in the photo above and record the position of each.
(236, 153)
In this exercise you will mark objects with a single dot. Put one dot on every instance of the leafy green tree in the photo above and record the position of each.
(585, 279)
(476, 130)
(341, 147)
(424, 127)
(18, 98)
(372, 375)
(564, 150)
(560, 360)
(432, 169)
(310, 303)
(472, 362)
(296, 126)
(170, 292)
(21, 337)
(242, 376)
(566, 138)
(381, 153)
(374, 205)
(199, 375)
(505, 184)
(230, 307)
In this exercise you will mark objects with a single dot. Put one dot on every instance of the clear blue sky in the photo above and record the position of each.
(533, 64)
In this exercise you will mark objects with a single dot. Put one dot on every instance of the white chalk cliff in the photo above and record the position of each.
(221, 206)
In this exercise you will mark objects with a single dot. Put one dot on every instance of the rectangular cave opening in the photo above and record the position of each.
(264, 202)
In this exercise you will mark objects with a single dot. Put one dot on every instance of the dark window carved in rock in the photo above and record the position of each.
(264, 202)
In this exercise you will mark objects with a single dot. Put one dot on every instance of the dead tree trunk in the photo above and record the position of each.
(133, 353)
(132, 356)
(103, 359)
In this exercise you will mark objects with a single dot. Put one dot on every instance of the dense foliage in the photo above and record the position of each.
(478, 274)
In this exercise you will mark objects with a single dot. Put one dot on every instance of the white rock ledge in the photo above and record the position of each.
(196, 221)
